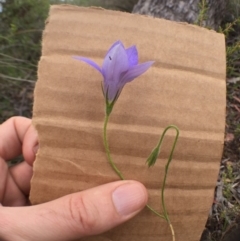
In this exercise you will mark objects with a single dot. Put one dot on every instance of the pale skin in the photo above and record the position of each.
(71, 217)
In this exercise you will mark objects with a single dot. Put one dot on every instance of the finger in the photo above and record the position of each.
(30, 145)
(74, 216)
(21, 175)
(14, 183)
(3, 179)
(12, 133)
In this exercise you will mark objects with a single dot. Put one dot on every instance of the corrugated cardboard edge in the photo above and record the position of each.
(124, 227)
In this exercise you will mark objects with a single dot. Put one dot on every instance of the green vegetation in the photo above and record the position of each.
(231, 31)
(226, 207)
(21, 27)
(203, 8)
(232, 47)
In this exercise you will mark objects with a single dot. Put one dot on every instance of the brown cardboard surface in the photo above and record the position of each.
(185, 87)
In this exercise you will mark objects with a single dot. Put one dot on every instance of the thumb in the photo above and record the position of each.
(76, 215)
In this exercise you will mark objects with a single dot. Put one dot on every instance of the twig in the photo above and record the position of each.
(16, 59)
(17, 79)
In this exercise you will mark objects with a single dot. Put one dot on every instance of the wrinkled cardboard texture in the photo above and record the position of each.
(185, 87)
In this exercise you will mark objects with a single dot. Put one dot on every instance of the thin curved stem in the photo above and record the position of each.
(165, 214)
(152, 160)
(155, 212)
(166, 168)
(107, 148)
(114, 166)
(172, 230)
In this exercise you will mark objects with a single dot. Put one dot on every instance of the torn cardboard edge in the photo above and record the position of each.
(185, 87)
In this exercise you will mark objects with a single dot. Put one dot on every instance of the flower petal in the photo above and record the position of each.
(132, 54)
(135, 71)
(114, 66)
(113, 90)
(115, 44)
(89, 61)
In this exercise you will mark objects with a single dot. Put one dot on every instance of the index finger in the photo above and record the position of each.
(12, 133)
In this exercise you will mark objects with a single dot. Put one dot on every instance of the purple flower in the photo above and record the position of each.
(120, 66)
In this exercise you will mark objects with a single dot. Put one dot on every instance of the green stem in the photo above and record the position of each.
(107, 148)
(112, 163)
(158, 147)
(165, 214)
(155, 212)
(166, 168)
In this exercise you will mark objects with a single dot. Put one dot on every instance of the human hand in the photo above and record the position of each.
(71, 217)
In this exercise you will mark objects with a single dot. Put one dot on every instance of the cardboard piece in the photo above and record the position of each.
(185, 87)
